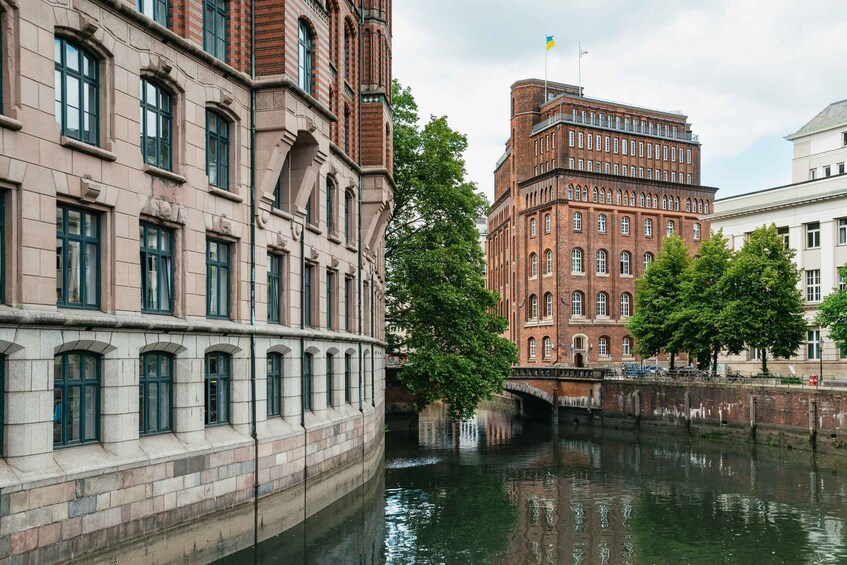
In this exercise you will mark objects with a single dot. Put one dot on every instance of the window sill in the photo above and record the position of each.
(10, 123)
(352, 246)
(163, 174)
(225, 194)
(314, 229)
(577, 274)
(281, 213)
(83, 147)
(334, 238)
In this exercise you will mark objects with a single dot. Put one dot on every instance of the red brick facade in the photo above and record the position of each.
(565, 244)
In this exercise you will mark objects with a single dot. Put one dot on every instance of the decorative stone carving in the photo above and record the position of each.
(160, 67)
(314, 254)
(221, 225)
(335, 262)
(296, 231)
(164, 210)
(262, 217)
(87, 27)
(89, 190)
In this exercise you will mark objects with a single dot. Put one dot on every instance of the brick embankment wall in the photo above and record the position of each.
(792, 417)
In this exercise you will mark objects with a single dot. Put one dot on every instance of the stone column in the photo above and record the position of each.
(119, 404)
(189, 402)
(28, 441)
(239, 390)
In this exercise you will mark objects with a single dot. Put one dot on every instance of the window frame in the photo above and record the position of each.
(83, 241)
(625, 305)
(577, 257)
(305, 57)
(532, 350)
(813, 285)
(577, 221)
(602, 305)
(2, 263)
(64, 384)
(813, 235)
(330, 359)
(218, 10)
(577, 304)
(144, 381)
(813, 345)
(348, 378)
(62, 74)
(219, 139)
(625, 223)
(306, 382)
(222, 378)
(220, 265)
(164, 268)
(160, 9)
(163, 113)
(330, 299)
(309, 271)
(274, 367)
(275, 288)
(626, 263)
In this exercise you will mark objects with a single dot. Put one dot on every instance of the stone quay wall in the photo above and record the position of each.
(795, 417)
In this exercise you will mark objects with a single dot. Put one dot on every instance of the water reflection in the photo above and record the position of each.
(498, 490)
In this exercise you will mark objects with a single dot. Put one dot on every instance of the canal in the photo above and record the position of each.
(502, 490)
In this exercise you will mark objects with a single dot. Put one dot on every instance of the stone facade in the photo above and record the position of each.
(584, 195)
(309, 185)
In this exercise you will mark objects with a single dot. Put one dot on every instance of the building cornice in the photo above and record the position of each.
(617, 178)
(778, 205)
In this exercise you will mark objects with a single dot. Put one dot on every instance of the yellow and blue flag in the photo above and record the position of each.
(550, 42)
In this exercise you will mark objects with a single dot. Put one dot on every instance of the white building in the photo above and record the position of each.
(811, 213)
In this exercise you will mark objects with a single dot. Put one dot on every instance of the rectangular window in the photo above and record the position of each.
(217, 150)
(664, 152)
(215, 18)
(348, 369)
(571, 138)
(688, 179)
(616, 144)
(217, 388)
(155, 393)
(536, 148)
(784, 233)
(217, 279)
(157, 275)
(570, 163)
(580, 140)
(274, 384)
(2, 251)
(641, 149)
(308, 276)
(641, 172)
(842, 231)
(813, 235)
(330, 300)
(306, 382)
(348, 304)
(329, 361)
(813, 285)
(76, 398)
(624, 146)
(813, 344)
(580, 164)
(156, 10)
(607, 144)
(632, 170)
(840, 168)
(606, 168)
(77, 258)
(274, 288)
(77, 87)
(673, 154)
(348, 210)
(649, 150)
(827, 171)
(156, 125)
(812, 174)
(844, 138)
(616, 169)
(688, 156)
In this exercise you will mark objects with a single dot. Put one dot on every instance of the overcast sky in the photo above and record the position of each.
(745, 72)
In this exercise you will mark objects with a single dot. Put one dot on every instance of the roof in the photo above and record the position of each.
(830, 117)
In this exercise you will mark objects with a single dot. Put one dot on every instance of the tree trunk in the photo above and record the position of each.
(764, 361)
(715, 359)
(673, 357)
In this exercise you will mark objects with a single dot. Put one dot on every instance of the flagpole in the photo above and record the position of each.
(546, 50)
(579, 65)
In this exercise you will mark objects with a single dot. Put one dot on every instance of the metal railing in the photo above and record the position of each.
(557, 373)
(615, 125)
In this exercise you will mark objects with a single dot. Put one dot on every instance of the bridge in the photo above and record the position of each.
(547, 391)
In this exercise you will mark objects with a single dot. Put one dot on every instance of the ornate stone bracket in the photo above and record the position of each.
(164, 210)
(89, 190)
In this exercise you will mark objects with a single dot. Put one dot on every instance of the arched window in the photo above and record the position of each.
(576, 261)
(603, 196)
(602, 304)
(626, 305)
(532, 228)
(217, 388)
(601, 223)
(155, 389)
(585, 193)
(602, 261)
(648, 259)
(706, 207)
(576, 304)
(603, 347)
(648, 227)
(579, 343)
(76, 398)
(274, 384)
(77, 84)
(655, 201)
(670, 227)
(570, 192)
(532, 348)
(548, 223)
(156, 125)
(641, 200)
(578, 193)
(548, 262)
(697, 231)
(548, 305)
(330, 205)
(533, 307)
(687, 204)
(676, 205)
(548, 347)
(217, 150)
(664, 202)
(626, 346)
(618, 198)
(625, 225)
(533, 265)
(699, 206)
(626, 199)
(594, 195)
(632, 199)
(306, 381)
(626, 268)
(577, 221)
(305, 54)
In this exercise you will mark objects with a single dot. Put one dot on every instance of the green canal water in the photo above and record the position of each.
(502, 490)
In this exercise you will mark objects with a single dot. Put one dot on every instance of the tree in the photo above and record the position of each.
(438, 309)
(832, 314)
(699, 319)
(658, 300)
(764, 307)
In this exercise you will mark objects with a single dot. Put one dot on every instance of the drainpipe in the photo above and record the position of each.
(359, 228)
(253, 276)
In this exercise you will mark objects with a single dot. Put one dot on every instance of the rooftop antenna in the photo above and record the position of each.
(581, 53)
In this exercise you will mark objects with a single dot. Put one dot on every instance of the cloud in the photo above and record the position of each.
(746, 72)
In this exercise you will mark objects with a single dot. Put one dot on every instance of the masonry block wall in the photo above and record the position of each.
(128, 384)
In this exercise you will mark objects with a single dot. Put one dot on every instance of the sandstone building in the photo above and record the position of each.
(584, 195)
(191, 266)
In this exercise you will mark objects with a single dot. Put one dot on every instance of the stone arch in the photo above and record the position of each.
(229, 348)
(164, 347)
(89, 345)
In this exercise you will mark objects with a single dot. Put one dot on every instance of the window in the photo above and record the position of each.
(216, 408)
(155, 393)
(576, 304)
(626, 305)
(602, 304)
(603, 347)
(813, 344)
(688, 178)
(827, 171)
(330, 300)
(626, 346)
(570, 163)
(602, 263)
(533, 307)
(580, 140)
(547, 223)
(77, 96)
(844, 138)
(306, 381)
(641, 200)
(648, 259)
(548, 305)
(570, 138)
(76, 398)
(275, 301)
(274, 384)
(649, 151)
(156, 10)
(688, 156)
(215, 16)
(607, 144)
(669, 227)
(577, 221)
(616, 141)
(813, 285)
(648, 227)
(304, 68)
(308, 276)
(77, 258)
(348, 364)
(532, 228)
(641, 148)
(664, 202)
(813, 235)
(842, 231)
(625, 225)
(156, 125)
(548, 347)
(533, 265)
(348, 304)
(329, 361)
(576, 261)
(625, 263)
(840, 168)
(157, 274)
(217, 279)
(696, 231)
(548, 262)
(217, 150)
(601, 223)
(532, 348)
(812, 174)
(2, 262)
(330, 209)
(348, 206)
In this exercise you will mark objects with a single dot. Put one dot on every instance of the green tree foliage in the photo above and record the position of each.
(700, 317)
(658, 299)
(764, 307)
(438, 309)
(833, 314)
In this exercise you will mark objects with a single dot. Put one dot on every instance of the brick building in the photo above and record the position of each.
(191, 267)
(584, 194)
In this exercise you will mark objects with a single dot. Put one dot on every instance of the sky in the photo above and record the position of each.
(745, 72)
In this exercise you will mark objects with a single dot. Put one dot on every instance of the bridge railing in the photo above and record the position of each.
(557, 373)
